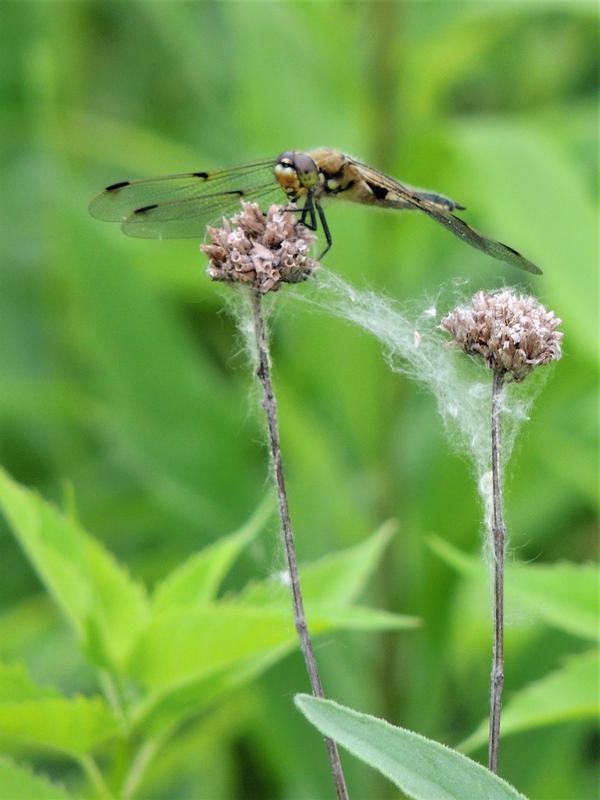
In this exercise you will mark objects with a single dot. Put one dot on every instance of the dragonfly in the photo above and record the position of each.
(182, 206)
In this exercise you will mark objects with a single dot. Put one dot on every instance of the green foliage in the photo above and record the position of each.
(182, 650)
(16, 685)
(105, 607)
(564, 595)
(71, 726)
(198, 579)
(335, 580)
(40, 717)
(420, 767)
(568, 693)
(18, 783)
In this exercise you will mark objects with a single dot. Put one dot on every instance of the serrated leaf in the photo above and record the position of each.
(358, 618)
(173, 704)
(72, 726)
(421, 768)
(177, 700)
(197, 580)
(103, 604)
(564, 594)
(17, 686)
(336, 579)
(566, 694)
(18, 783)
(181, 644)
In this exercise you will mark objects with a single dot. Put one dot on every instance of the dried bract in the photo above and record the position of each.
(262, 251)
(513, 333)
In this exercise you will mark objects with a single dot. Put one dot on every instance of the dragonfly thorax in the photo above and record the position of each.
(296, 173)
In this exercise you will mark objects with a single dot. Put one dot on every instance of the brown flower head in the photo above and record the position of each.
(262, 251)
(513, 333)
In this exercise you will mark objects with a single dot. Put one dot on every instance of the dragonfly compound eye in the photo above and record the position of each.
(306, 169)
(286, 172)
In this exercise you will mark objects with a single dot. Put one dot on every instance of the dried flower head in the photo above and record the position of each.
(513, 333)
(262, 251)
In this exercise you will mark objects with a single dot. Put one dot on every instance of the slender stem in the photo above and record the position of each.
(263, 372)
(139, 766)
(112, 693)
(499, 540)
(94, 776)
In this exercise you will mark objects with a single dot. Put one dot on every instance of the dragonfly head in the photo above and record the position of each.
(296, 173)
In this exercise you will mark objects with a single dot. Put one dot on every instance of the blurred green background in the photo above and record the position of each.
(122, 383)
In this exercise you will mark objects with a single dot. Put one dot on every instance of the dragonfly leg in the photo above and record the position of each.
(308, 210)
(308, 218)
(326, 230)
(303, 214)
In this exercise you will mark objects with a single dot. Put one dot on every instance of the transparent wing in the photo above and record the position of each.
(405, 195)
(120, 200)
(187, 219)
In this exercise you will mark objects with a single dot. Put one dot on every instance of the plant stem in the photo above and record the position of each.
(110, 687)
(269, 404)
(498, 541)
(139, 766)
(94, 776)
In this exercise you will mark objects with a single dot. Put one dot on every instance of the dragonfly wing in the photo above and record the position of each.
(187, 219)
(120, 200)
(498, 250)
(402, 191)
(392, 193)
(436, 199)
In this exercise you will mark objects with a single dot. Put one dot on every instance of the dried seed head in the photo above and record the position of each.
(513, 333)
(263, 252)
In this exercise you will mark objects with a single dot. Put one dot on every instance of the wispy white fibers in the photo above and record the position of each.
(413, 345)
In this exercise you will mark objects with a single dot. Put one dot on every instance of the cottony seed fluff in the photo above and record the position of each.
(513, 333)
(262, 251)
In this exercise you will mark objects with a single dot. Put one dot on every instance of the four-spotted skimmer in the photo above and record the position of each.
(181, 206)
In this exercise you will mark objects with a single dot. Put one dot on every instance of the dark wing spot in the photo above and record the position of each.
(380, 192)
(239, 192)
(203, 175)
(114, 186)
(143, 209)
(512, 249)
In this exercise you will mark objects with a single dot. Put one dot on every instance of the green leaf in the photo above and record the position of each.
(184, 643)
(18, 783)
(162, 708)
(72, 726)
(197, 580)
(564, 594)
(197, 685)
(568, 693)
(189, 656)
(358, 618)
(104, 605)
(420, 767)
(336, 579)
(17, 686)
